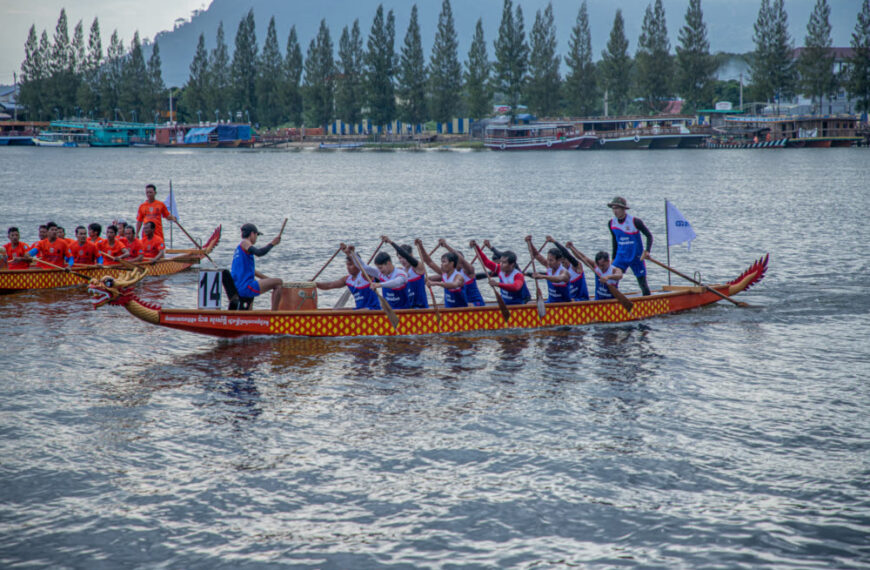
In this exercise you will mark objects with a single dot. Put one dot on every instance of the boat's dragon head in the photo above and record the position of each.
(115, 290)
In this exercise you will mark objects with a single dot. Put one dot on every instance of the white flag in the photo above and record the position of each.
(679, 228)
(170, 202)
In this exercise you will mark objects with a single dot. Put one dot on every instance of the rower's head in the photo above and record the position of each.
(508, 261)
(121, 224)
(150, 192)
(81, 235)
(14, 235)
(129, 233)
(352, 269)
(449, 261)
(410, 251)
(618, 206)
(61, 232)
(148, 229)
(554, 258)
(43, 231)
(51, 231)
(602, 260)
(250, 232)
(111, 232)
(384, 263)
(94, 230)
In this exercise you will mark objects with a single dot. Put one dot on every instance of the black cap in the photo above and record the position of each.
(248, 229)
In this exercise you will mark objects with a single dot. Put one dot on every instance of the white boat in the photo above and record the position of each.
(47, 138)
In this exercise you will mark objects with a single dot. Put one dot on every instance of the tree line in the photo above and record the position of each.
(372, 79)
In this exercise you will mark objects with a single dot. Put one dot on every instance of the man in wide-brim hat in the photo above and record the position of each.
(628, 250)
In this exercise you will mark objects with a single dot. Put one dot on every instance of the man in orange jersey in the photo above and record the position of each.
(152, 244)
(13, 255)
(61, 234)
(94, 234)
(112, 246)
(82, 251)
(51, 249)
(153, 210)
(121, 224)
(134, 246)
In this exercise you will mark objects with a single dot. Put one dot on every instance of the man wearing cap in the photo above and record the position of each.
(153, 210)
(628, 251)
(248, 281)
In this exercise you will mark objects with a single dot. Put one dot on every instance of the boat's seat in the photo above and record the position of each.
(237, 303)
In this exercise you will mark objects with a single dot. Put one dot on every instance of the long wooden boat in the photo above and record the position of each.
(13, 281)
(349, 323)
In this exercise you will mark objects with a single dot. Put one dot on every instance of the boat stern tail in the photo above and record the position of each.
(750, 277)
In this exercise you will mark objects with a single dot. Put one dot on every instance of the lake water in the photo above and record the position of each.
(721, 437)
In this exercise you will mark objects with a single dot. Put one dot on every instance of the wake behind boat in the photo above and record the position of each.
(349, 323)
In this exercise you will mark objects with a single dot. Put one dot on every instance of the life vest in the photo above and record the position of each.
(557, 292)
(628, 243)
(601, 289)
(454, 297)
(513, 297)
(363, 294)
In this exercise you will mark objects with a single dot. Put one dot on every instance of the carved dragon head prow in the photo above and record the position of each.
(115, 291)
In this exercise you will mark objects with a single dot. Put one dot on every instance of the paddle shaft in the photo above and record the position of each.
(538, 250)
(316, 275)
(346, 295)
(193, 241)
(538, 300)
(67, 269)
(428, 286)
(501, 304)
(614, 290)
(282, 228)
(707, 287)
(391, 315)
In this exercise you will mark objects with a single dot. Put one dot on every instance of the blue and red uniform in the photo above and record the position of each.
(417, 290)
(472, 293)
(453, 297)
(363, 294)
(397, 297)
(243, 273)
(601, 290)
(513, 285)
(558, 292)
(577, 285)
(628, 246)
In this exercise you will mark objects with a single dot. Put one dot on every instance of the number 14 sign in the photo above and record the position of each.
(209, 292)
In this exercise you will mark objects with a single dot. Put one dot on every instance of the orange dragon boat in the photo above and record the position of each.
(350, 323)
(12, 281)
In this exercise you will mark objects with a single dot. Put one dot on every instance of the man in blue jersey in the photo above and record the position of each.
(248, 281)
(628, 250)
(364, 295)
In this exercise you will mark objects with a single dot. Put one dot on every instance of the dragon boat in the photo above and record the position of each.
(12, 281)
(350, 323)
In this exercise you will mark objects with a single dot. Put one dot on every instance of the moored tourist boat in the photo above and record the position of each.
(786, 131)
(13, 281)
(349, 323)
(534, 135)
(641, 132)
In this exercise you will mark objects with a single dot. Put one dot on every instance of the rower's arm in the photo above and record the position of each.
(425, 257)
(326, 285)
(487, 262)
(399, 281)
(466, 267)
(515, 285)
(405, 255)
(612, 241)
(641, 227)
(567, 254)
(259, 251)
(582, 257)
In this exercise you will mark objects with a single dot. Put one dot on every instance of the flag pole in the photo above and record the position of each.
(172, 225)
(668, 238)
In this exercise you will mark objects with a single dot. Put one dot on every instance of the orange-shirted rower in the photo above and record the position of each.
(153, 210)
(152, 244)
(51, 249)
(13, 255)
(83, 251)
(112, 246)
(134, 246)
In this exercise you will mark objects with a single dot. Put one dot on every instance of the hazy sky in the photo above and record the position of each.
(127, 16)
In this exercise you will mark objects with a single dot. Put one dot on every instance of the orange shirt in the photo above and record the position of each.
(122, 240)
(84, 254)
(152, 247)
(11, 252)
(97, 242)
(134, 248)
(53, 252)
(153, 212)
(113, 250)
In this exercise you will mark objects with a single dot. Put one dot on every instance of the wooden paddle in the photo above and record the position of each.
(505, 313)
(426, 280)
(529, 263)
(391, 315)
(614, 290)
(194, 242)
(316, 275)
(67, 269)
(282, 228)
(539, 299)
(707, 287)
(346, 295)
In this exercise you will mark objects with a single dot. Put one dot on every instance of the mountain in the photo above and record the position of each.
(729, 23)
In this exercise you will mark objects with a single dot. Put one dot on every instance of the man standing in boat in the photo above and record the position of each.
(153, 210)
(248, 281)
(628, 250)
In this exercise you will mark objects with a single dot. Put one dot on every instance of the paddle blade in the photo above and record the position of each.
(391, 315)
(542, 310)
(502, 307)
(623, 300)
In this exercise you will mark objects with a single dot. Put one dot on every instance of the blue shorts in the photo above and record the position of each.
(251, 289)
(638, 267)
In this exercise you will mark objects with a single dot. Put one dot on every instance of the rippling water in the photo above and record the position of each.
(721, 437)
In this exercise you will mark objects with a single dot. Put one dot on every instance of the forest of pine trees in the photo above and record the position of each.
(372, 77)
